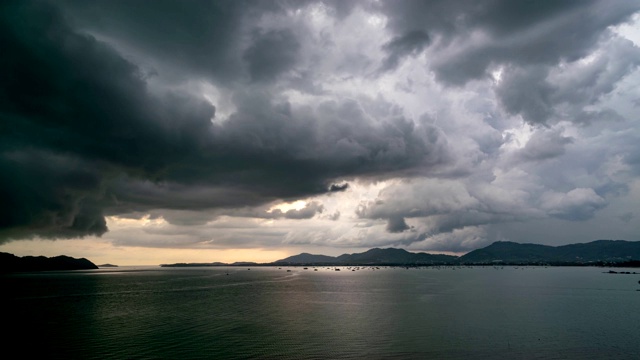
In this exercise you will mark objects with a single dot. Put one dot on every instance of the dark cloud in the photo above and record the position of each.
(521, 33)
(335, 138)
(540, 93)
(444, 207)
(68, 94)
(271, 54)
(396, 225)
(217, 40)
(408, 44)
(50, 196)
(71, 94)
(544, 145)
(338, 187)
(196, 112)
(186, 37)
(525, 91)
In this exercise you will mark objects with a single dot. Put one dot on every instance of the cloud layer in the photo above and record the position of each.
(430, 125)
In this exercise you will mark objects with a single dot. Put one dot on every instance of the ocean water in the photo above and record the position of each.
(272, 313)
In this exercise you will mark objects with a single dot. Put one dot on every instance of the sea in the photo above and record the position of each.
(447, 312)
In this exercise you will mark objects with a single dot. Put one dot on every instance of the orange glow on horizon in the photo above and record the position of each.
(99, 252)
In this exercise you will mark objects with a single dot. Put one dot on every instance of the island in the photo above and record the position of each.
(12, 263)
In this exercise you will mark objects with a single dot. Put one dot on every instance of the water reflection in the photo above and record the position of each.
(203, 313)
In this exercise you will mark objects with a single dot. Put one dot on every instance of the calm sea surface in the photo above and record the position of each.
(272, 313)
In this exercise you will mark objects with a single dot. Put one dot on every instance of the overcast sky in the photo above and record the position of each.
(143, 132)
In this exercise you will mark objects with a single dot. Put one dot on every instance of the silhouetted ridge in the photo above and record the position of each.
(12, 263)
(394, 256)
(595, 251)
(372, 256)
(306, 258)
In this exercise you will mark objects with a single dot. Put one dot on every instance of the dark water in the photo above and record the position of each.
(269, 313)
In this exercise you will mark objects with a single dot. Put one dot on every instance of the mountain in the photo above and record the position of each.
(12, 263)
(306, 258)
(603, 250)
(612, 252)
(394, 256)
(515, 253)
(375, 256)
(505, 252)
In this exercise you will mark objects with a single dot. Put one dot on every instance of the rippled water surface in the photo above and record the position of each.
(272, 313)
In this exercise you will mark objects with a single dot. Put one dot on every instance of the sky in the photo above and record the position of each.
(149, 132)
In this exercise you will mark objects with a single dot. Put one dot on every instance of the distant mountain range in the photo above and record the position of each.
(599, 252)
(608, 251)
(12, 263)
(390, 256)
(500, 252)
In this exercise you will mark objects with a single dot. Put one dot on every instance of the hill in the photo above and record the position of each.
(306, 258)
(395, 256)
(376, 256)
(606, 251)
(12, 263)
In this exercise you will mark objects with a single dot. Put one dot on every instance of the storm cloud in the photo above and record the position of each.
(431, 125)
